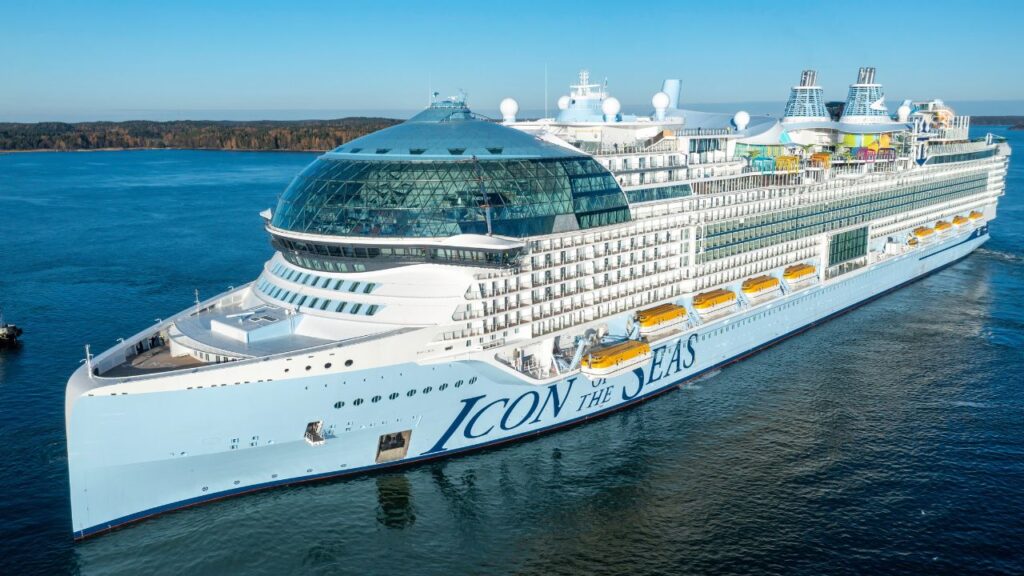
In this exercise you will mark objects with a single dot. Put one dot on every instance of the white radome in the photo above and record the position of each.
(903, 113)
(509, 108)
(563, 103)
(610, 107)
(741, 119)
(660, 100)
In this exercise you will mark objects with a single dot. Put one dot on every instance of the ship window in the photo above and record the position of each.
(301, 301)
(355, 309)
(314, 302)
(383, 150)
(393, 395)
(348, 363)
(495, 150)
(375, 399)
(472, 380)
(325, 304)
(417, 151)
(328, 365)
(369, 287)
(371, 310)
(427, 390)
(337, 285)
(456, 151)
(458, 383)
(353, 287)
(338, 405)
(411, 393)
(325, 283)
(357, 401)
(355, 150)
(443, 387)
(341, 307)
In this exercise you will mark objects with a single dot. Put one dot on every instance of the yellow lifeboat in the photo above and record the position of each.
(923, 232)
(707, 302)
(607, 360)
(759, 285)
(975, 215)
(960, 221)
(660, 317)
(912, 242)
(799, 273)
(942, 226)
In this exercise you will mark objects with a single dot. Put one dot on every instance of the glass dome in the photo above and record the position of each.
(444, 173)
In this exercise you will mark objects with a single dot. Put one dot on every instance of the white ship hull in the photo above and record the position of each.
(135, 455)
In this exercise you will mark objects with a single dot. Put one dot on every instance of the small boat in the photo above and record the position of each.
(975, 215)
(9, 333)
(660, 318)
(713, 301)
(912, 242)
(943, 226)
(612, 359)
(960, 221)
(799, 273)
(760, 285)
(923, 231)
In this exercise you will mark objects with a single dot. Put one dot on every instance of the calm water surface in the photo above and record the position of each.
(890, 440)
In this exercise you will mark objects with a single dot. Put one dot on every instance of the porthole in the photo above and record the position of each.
(472, 380)
(427, 389)
(286, 370)
(348, 363)
(357, 401)
(443, 387)
(338, 405)
(393, 395)
(375, 399)
(328, 365)
(411, 393)
(308, 368)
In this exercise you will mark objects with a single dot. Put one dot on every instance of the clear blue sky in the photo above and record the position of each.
(105, 59)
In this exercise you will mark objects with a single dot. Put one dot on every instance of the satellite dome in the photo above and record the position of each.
(660, 100)
(509, 108)
(610, 108)
(563, 102)
(740, 120)
(903, 113)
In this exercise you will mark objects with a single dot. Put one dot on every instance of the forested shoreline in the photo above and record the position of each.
(299, 135)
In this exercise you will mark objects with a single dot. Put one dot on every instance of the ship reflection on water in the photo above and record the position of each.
(394, 501)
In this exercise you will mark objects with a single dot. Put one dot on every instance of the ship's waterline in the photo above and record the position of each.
(451, 283)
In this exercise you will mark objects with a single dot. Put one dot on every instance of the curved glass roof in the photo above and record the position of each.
(344, 197)
(446, 172)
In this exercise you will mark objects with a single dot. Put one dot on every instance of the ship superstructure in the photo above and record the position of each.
(454, 282)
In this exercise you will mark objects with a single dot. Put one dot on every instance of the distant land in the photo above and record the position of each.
(289, 135)
(270, 135)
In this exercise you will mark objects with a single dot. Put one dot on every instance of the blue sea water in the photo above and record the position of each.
(889, 440)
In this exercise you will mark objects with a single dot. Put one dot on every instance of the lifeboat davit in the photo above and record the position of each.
(660, 318)
(713, 301)
(612, 359)
(760, 285)
(799, 273)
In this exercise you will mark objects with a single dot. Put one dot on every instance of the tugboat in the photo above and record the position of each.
(8, 333)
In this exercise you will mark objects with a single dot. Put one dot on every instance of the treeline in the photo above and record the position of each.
(219, 135)
(1014, 122)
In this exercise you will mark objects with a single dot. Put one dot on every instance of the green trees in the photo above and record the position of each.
(260, 135)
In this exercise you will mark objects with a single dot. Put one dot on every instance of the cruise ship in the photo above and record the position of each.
(455, 282)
